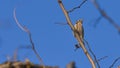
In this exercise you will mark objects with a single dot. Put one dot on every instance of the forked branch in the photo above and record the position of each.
(76, 34)
(30, 37)
(105, 15)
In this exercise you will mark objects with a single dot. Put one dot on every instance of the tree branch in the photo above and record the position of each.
(77, 7)
(30, 37)
(105, 15)
(102, 58)
(95, 58)
(111, 66)
(76, 34)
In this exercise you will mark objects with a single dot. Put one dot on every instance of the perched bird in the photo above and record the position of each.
(79, 29)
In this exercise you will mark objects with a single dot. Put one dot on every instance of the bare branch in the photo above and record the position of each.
(102, 58)
(18, 24)
(61, 23)
(111, 66)
(71, 65)
(95, 58)
(30, 37)
(97, 20)
(105, 15)
(77, 7)
(76, 34)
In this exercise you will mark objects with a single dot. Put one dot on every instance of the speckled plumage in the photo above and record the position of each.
(79, 28)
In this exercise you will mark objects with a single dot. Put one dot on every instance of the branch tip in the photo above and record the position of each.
(59, 1)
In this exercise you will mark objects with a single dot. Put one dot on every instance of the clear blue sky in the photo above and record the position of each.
(55, 43)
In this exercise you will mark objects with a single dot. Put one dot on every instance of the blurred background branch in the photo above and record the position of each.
(30, 37)
(105, 15)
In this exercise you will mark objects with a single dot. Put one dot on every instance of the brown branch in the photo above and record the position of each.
(77, 7)
(15, 55)
(76, 34)
(105, 15)
(30, 37)
(71, 65)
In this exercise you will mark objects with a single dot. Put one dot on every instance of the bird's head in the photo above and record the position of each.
(80, 21)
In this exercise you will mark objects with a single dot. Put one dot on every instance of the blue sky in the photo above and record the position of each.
(54, 42)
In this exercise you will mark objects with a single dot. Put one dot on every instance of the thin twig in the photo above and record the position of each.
(97, 21)
(102, 58)
(76, 34)
(15, 55)
(105, 15)
(30, 37)
(77, 7)
(92, 54)
(61, 23)
(111, 66)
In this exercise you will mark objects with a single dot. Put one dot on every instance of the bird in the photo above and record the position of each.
(80, 30)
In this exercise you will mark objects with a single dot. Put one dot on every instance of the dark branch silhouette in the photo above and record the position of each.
(97, 21)
(115, 61)
(76, 7)
(61, 23)
(102, 58)
(95, 58)
(105, 15)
